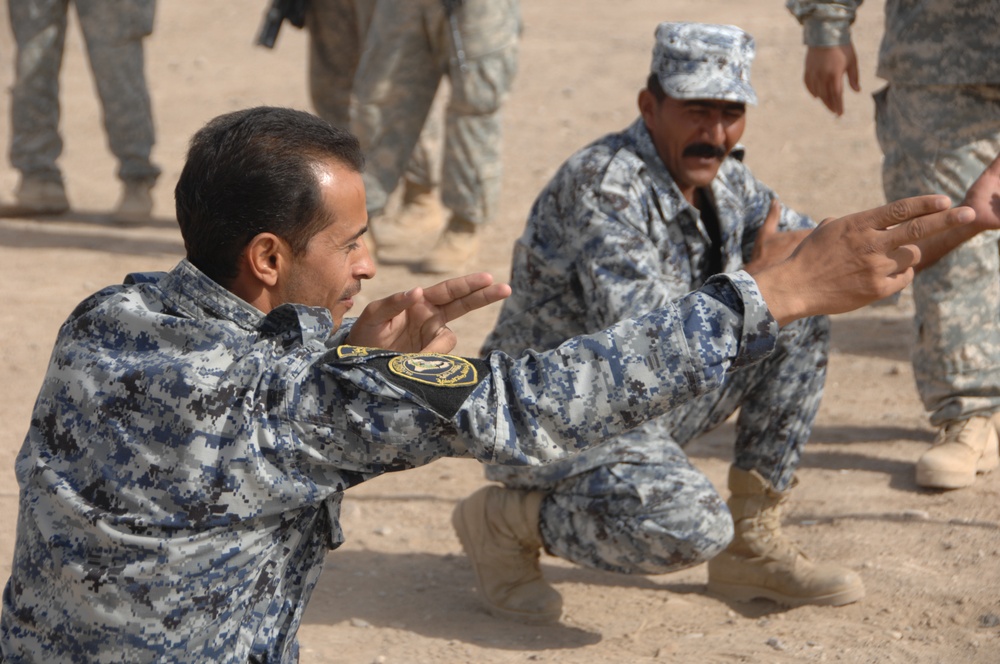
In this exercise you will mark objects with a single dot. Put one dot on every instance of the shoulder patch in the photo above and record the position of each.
(434, 369)
(352, 351)
(443, 382)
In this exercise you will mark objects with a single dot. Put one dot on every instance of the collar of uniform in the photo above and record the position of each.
(199, 296)
(673, 203)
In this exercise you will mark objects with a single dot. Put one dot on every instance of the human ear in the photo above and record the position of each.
(265, 257)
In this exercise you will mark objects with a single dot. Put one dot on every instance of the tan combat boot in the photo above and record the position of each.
(420, 215)
(37, 197)
(136, 203)
(499, 531)
(456, 246)
(762, 562)
(961, 450)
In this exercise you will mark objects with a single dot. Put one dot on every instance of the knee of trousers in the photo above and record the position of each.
(644, 538)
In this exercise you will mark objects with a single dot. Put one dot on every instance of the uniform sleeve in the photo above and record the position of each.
(825, 22)
(361, 415)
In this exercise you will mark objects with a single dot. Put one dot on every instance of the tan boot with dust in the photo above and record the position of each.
(761, 562)
(136, 204)
(37, 197)
(499, 531)
(456, 246)
(961, 451)
(420, 215)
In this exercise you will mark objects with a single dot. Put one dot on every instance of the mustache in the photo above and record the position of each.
(706, 150)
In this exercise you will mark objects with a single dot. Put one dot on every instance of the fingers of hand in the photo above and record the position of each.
(903, 258)
(475, 300)
(898, 211)
(454, 289)
(927, 225)
(444, 341)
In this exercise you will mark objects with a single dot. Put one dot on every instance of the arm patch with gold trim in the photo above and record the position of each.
(443, 381)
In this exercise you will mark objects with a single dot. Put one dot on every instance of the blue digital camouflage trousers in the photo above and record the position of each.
(113, 32)
(638, 505)
(337, 32)
(409, 49)
(938, 139)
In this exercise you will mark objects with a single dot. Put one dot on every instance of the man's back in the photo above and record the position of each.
(153, 477)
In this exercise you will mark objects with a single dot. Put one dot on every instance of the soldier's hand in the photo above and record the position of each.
(772, 246)
(417, 320)
(854, 260)
(984, 197)
(824, 74)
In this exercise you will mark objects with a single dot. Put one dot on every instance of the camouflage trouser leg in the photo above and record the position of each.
(40, 32)
(337, 31)
(938, 139)
(651, 511)
(408, 51)
(114, 33)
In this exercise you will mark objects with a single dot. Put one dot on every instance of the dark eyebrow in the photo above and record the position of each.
(359, 233)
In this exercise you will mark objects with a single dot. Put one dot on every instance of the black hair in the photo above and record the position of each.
(256, 171)
(655, 89)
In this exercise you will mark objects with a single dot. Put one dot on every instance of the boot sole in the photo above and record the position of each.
(458, 523)
(742, 593)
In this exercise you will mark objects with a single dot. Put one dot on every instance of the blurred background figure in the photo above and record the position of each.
(337, 31)
(938, 124)
(411, 45)
(113, 33)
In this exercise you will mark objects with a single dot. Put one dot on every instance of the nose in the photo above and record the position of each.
(364, 268)
(714, 129)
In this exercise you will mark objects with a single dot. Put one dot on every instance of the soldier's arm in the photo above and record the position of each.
(830, 54)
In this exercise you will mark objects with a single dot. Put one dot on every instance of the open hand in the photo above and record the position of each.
(824, 74)
(417, 320)
(848, 262)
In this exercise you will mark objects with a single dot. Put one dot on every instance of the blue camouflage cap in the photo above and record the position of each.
(704, 61)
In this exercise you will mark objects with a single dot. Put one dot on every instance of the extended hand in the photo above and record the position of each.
(984, 197)
(849, 262)
(772, 246)
(824, 74)
(417, 320)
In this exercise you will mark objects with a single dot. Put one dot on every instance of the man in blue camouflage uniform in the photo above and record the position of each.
(938, 123)
(337, 31)
(411, 46)
(631, 223)
(113, 32)
(181, 478)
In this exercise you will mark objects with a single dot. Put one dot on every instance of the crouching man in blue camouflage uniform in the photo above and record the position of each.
(181, 479)
(627, 225)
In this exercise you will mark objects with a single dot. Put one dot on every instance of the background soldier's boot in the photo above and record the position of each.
(136, 203)
(961, 450)
(762, 562)
(457, 244)
(421, 212)
(36, 196)
(420, 216)
(499, 531)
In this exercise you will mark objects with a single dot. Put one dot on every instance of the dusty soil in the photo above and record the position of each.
(400, 591)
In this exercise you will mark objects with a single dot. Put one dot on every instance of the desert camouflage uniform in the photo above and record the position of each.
(182, 475)
(113, 32)
(938, 122)
(409, 49)
(337, 31)
(611, 236)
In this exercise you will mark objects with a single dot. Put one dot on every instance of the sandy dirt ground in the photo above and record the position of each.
(400, 590)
